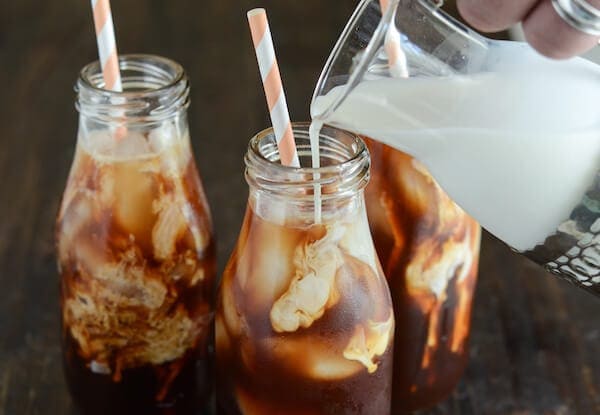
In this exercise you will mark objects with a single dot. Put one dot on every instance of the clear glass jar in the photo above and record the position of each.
(304, 320)
(477, 113)
(429, 249)
(135, 247)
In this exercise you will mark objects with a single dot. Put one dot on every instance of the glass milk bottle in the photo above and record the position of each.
(304, 320)
(512, 137)
(135, 248)
(429, 250)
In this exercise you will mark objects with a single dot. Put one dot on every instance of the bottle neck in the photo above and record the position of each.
(147, 117)
(298, 196)
(154, 89)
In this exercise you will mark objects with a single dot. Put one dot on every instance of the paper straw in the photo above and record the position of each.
(107, 46)
(396, 57)
(271, 78)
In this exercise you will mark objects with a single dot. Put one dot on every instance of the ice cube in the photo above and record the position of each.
(106, 186)
(91, 257)
(332, 368)
(312, 357)
(134, 144)
(162, 137)
(98, 142)
(175, 151)
(265, 266)
(76, 216)
(135, 191)
(197, 228)
(169, 227)
(269, 210)
(357, 241)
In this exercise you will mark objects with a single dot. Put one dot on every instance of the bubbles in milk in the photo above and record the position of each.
(517, 146)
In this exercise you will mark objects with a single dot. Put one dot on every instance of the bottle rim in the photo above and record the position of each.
(344, 171)
(154, 88)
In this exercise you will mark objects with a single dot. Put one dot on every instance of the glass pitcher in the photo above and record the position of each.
(304, 320)
(513, 137)
(429, 250)
(135, 248)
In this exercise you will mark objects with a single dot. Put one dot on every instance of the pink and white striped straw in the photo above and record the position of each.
(107, 46)
(396, 57)
(271, 78)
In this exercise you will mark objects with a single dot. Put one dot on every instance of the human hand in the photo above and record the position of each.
(544, 28)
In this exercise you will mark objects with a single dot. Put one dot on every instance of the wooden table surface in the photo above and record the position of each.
(535, 346)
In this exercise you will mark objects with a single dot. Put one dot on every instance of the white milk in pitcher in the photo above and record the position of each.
(516, 147)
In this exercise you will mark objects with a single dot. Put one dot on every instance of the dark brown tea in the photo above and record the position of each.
(304, 322)
(137, 264)
(303, 325)
(429, 250)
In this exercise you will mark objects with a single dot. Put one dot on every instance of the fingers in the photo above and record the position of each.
(550, 35)
(544, 29)
(494, 15)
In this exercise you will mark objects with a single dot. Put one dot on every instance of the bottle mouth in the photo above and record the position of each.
(344, 164)
(154, 88)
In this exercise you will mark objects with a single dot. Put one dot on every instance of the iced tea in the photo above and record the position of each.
(137, 263)
(304, 321)
(429, 249)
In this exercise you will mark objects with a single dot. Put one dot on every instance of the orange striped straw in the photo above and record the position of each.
(393, 49)
(271, 78)
(107, 46)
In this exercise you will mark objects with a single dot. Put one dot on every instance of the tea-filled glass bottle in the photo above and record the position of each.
(135, 248)
(429, 250)
(304, 321)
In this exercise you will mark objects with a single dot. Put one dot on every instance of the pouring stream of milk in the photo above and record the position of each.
(516, 147)
(315, 152)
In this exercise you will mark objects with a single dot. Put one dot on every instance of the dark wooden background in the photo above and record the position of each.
(535, 343)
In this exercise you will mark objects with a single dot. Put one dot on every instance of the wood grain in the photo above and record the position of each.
(535, 341)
